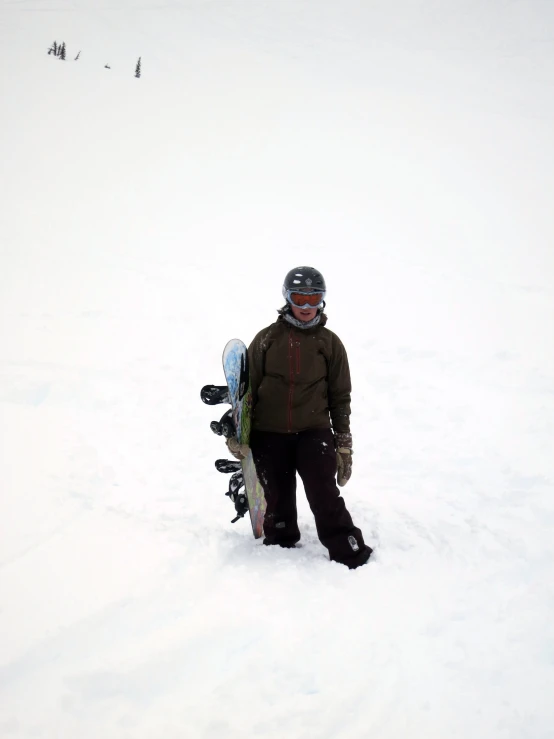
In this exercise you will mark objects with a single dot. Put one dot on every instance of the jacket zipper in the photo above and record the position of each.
(291, 379)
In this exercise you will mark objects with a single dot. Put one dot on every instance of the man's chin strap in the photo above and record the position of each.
(301, 324)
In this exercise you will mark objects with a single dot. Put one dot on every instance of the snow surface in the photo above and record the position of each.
(407, 151)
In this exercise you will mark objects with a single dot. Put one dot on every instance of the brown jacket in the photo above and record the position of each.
(300, 379)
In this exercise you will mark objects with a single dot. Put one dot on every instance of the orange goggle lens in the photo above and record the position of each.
(311, 299)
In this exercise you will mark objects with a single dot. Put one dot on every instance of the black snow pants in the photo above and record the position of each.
(278, 457)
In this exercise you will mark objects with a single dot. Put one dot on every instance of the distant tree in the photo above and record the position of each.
(107, 66)
(63, 52)
(54, 49)
(78, 55)
(137, 68)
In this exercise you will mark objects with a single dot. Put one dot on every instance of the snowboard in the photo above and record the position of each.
(237, 421)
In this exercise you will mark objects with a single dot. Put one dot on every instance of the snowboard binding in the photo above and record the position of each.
(239, 499)
(215, 394)
(235, 484)
(227, 465)
(225, 427)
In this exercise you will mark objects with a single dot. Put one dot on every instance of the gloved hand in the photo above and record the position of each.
(343, 445)
(239, 451)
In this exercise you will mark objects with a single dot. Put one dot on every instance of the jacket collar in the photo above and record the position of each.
(285, 314)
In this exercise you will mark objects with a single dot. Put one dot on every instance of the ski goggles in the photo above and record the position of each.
(312, 299)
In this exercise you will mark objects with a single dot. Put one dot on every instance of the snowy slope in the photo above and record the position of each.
(404, 149)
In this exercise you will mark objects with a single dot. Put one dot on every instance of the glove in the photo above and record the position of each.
(239, 451)
(343, 445)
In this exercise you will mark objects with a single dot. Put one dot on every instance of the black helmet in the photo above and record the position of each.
(304, 278)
